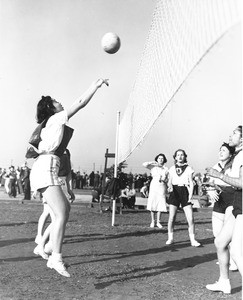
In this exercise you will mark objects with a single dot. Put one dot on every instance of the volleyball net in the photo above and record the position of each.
(181, 34)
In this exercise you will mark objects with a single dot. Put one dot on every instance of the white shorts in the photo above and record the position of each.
(44, 172)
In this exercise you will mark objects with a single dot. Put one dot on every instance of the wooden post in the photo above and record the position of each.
(103, 181)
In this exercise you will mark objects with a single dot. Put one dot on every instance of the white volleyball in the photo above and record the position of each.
(110, 42)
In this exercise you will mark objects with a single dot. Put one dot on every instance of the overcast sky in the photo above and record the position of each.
(53, 47)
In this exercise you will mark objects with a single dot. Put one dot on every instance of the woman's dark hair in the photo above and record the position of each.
(161, 154)
(45, 109)
(239, 128)
(230, 148)
(184, 152)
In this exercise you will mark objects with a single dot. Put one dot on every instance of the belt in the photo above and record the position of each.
(47, 153)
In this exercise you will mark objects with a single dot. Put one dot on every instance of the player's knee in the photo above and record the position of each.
(220, 244)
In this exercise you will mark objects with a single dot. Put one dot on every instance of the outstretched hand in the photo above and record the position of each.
(101, 81)
(212, 172)
(213, 195)
(170, 189)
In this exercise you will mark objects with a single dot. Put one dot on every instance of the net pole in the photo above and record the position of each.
(115, 168)
(117, 139)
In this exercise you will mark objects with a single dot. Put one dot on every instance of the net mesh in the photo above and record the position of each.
(181, 33)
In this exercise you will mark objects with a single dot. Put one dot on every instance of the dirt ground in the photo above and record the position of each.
(129, 261)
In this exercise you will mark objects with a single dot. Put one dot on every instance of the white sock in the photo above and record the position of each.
(224, 280)
(192, 237)
(170, 235)
(56, 256)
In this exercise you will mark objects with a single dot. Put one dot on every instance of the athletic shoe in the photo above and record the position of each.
(233, 267)
(40, 251)
(159, 225)
(152, 225)
(195, 243)
(220, 286)
(169, 242)
(58, 266)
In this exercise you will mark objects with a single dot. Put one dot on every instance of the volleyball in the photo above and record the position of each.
(110, 42)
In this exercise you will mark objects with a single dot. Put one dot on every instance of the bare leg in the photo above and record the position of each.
(217, 222)
(191, 225)
(50, 236)
(171, 223)
(47, 246)
(158, 219)
(58, 202)
(152, 219)
(41, 222)
(172, 218)
(221, 242)
(232, 266)
(42, 238)
(46, 235)
(190, 220)
(236, 244)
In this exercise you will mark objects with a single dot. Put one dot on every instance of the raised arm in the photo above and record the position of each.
(86, 97)
(150, 164)
(236, 182)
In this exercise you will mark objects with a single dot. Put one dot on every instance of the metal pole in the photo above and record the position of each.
(117, 139)
(115, 168)
(103, 182)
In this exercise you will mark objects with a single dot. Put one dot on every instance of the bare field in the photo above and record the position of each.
(129, 261)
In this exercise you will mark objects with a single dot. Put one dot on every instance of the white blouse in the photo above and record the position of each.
(51, 135)
(159, 173)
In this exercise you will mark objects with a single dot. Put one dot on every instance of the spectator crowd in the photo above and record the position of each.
(15, 180)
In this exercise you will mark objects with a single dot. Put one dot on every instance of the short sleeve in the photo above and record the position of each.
(60, 118)
(190, 170)
(51, 135)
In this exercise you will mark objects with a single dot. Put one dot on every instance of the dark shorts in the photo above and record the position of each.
(237, 204)
(179, 196)
(226, 199)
